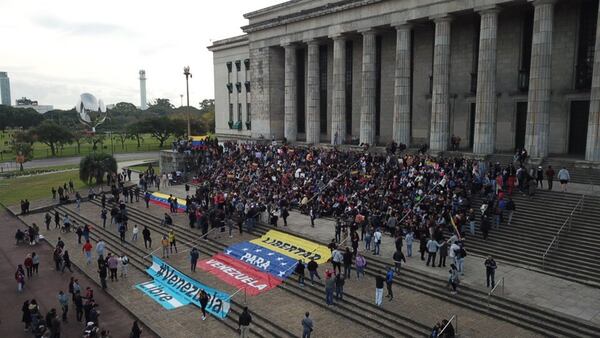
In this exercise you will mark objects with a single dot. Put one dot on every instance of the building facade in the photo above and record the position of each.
(499, 74)
(27, 103)
(4, 89)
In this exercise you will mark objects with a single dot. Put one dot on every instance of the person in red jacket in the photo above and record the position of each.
(28, 265)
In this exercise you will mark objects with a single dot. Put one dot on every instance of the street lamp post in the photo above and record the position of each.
(186, 72)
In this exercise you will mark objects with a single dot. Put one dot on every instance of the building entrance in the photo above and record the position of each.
(578, 127)
(520, 124)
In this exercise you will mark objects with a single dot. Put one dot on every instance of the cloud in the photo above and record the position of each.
(80, 28)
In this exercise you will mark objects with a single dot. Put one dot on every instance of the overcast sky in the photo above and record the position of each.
(55, 50)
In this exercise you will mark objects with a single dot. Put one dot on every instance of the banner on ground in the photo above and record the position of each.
(162, 295)
(278, 265)
(294, 247)
(187, 288)
(162, 200)
(239, 274)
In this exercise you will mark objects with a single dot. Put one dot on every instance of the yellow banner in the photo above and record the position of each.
(294, 247)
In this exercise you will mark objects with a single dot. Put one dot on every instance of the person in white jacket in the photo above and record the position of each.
(564, 178)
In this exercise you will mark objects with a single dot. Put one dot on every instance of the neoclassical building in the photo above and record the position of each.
(499, 74)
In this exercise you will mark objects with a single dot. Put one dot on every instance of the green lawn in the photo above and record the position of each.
(35, 187)
(41, 150)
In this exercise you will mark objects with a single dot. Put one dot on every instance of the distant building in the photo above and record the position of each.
(143, 102)
(4, 89)
(27, 103)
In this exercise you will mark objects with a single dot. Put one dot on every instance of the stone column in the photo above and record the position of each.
(486, 100)
(402, 88)
(290, 108)
(540, 80)
(313, 131)
(367, 107)
(592, 148)
(338, 115)
(440, 105)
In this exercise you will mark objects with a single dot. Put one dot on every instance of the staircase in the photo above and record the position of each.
(580, 171)
(534, 225)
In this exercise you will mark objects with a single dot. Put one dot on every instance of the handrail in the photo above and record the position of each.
(569, 221)
(491, 293)
(455, 318)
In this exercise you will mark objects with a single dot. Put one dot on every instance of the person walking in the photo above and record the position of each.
(299, 270)
(136, 330)
(377, 241)
(20, 278)
(100, 247)
(443, 254)
(134, 233)
(510, 209)
(379, 280)
(432, 249)
(307, 325)
(78, 301)
(409, 239)
(103, 216)
(113, 265)
(36, 262)
(360, 264)
(312, 267)
(26, 317)
(339, 287)
(63, 300)
(336, 260)
(398, 258)
(389, 280)
(550, 176)
(347, 263)
(490, 271)
(66, 262)
(165, 247)
(147, 238)
(564, 177)
(102, 272)
(194, 255)
(124, 263)
(244, 323)
(87, 251)
(329, 286)
(28, 263)
(172, 241)
(539, 177)
(203, 303)
(453, 279)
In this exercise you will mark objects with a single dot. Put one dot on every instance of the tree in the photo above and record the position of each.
(161, 107)
(121, 137)
(96, 166)
(79, 136)
(67, 118)
(125, 108)
(161, 128)
(136, 132)
(52, 135)
(22, 146)
(94, 140)
(207, 106)
(11, 117)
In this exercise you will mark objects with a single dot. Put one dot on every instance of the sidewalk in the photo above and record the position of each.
(44, 288)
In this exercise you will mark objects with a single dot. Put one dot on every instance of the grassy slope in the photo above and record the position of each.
(35, 187)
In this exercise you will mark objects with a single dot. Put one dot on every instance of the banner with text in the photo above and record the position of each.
(294, 247)
(239, 274)
(187, 288)
(278, 265)
(162, 295)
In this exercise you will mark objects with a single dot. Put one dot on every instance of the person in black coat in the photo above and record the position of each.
(136, 331)
(300, 272)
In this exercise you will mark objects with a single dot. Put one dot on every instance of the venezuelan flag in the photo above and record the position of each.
(162, 200)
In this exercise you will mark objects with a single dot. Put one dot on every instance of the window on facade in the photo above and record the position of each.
(348, 89)
(248, 112)
(247, 64)
(238, 87)
(229, 87)
(323, 89)
(301, 89)
(475, 61)
(238, 65)
(239, 112)
(231, 112)
(526, 40)
(586, 45)
(377, 85)
(247, 85)
(229, 65)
